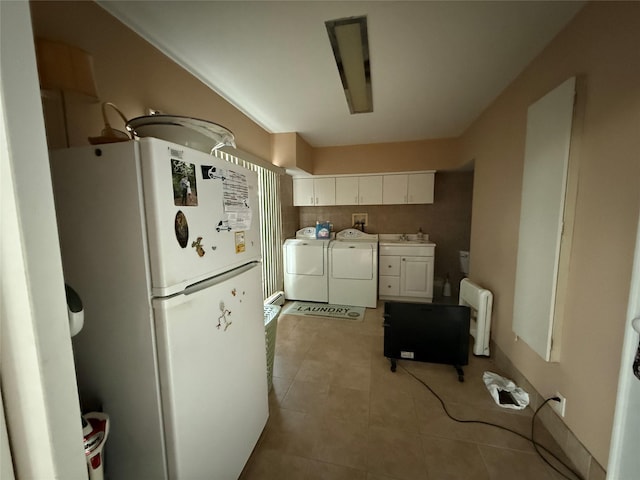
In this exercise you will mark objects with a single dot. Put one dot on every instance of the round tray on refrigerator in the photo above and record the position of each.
(191, 132)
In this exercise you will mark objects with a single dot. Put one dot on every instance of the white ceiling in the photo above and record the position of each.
(435, 65)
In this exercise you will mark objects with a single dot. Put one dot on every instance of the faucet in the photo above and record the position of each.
(404, 237)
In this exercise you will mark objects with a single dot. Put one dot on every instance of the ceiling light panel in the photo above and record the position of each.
(350, 44)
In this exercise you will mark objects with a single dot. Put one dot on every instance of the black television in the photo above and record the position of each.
(427, 332)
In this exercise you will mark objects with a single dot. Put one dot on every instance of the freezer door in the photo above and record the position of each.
(202, 215)
(213, 375)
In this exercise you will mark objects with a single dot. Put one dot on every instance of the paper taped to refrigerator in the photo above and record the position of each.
(236, 200)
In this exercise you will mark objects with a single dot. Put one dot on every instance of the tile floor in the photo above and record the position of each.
(338, 412)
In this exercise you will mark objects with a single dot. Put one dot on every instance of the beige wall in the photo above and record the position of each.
(439, 154)
(135, 76)
(290, 151)
(601, 44)
(290, 214)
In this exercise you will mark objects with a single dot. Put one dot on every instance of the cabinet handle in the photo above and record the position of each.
(317, 200)
(311, 200)
(389, 266)
(404, 259)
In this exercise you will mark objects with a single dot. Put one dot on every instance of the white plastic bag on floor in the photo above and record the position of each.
(505, 392)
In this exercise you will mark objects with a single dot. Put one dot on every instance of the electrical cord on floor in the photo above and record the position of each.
(536, 445)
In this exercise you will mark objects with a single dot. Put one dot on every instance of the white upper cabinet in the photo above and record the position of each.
(408, 188)
(389, 189)
(347, 191)
(309, 192)
(420, 188)
(325, 191)
(394, 189)
(303, 194)
(370, 190)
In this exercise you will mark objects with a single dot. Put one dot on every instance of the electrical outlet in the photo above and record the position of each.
(559, 407)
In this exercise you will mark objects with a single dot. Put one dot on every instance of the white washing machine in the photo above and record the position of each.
(306, 275)
(353, 269)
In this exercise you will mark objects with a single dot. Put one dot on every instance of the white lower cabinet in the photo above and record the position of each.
(389, 275)
(416, 277)
(406, 273)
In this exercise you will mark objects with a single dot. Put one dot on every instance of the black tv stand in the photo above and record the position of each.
(427, 332)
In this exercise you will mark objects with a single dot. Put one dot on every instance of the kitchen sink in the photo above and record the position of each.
(403, 239)
(405, 242)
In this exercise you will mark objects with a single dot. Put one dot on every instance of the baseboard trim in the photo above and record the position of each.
(581, 458)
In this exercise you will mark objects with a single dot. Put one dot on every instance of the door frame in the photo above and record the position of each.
(625, 437)
(39, 391)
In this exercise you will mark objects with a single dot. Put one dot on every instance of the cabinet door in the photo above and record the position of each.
(394, 189)
(370, 190)
(420, 188)
(416, 277)
(346, 190)
(303, 195)
(325, 191)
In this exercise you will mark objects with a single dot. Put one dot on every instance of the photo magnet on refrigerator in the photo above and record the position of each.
(240, 245)
(182, 229)
(183, 175)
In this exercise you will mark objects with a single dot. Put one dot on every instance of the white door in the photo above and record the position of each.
(624, 461)
(541, 218)
(213, 375)
(38, 378)
(416, 275)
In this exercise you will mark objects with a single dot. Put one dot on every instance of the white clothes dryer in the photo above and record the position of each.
(306, 274)
(353, 269)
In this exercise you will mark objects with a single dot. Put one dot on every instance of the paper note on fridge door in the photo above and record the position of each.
(235, 190)
(196, 205)
(213, 376)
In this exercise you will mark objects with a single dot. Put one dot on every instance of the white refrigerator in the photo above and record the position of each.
(162, 243)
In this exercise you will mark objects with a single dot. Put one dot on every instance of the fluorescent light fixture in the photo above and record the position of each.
(350, 44)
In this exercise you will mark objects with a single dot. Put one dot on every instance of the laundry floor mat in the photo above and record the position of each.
(346, 312)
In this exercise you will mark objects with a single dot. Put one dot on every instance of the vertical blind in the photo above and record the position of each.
(270, 223)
